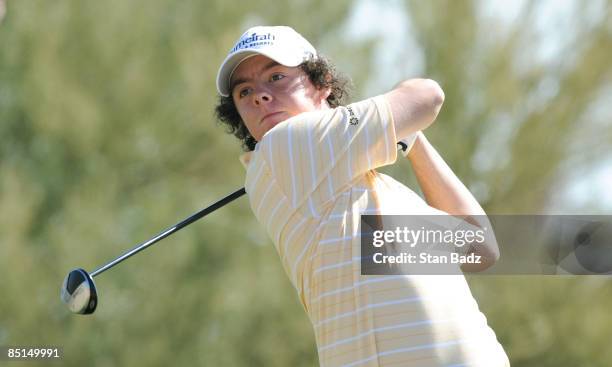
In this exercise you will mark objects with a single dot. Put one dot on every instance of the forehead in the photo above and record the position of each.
(252, 64)
(251, 67)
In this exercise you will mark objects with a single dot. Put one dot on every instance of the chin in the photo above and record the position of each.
(275, 121)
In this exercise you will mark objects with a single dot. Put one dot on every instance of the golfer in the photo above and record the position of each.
(310, 174)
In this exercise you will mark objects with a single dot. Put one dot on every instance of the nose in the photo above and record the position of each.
(261, 97)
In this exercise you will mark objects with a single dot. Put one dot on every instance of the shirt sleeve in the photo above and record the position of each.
(316, 155)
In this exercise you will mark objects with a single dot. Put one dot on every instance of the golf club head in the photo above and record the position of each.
(79, 292)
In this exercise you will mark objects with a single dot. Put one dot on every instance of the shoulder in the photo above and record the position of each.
(351, 114)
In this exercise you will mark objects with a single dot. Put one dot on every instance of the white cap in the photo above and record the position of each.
(282, 44)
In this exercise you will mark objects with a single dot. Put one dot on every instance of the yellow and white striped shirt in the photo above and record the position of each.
(308, 180)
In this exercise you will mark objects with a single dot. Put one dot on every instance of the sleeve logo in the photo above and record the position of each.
(353, 120)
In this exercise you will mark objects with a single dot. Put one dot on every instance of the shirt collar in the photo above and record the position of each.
(245, 159)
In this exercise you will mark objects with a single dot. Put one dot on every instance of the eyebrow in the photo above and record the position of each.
(237, 81)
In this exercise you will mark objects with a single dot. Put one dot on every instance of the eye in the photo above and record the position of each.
(276, 77)
(244, 92)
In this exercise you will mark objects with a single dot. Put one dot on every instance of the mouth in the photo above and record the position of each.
(270, 115)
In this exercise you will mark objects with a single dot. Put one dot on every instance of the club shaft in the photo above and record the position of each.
(175, 228)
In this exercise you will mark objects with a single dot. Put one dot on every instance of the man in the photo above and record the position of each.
(311, 174)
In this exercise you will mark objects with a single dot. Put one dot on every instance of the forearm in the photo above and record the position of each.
(442, 188)
(444, 191)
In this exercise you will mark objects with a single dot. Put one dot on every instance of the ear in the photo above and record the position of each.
(326, 92)
(323, 94)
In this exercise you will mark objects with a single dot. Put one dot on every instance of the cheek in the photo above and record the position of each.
(308, 95)
(247, 116)
(302, 98)
(243, 111)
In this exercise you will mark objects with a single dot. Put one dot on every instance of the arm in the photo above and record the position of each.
(414, 104)
(444, 191)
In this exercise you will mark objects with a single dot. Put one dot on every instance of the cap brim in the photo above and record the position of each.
(231, 63)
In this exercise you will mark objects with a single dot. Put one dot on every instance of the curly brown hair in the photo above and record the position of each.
(322, 74)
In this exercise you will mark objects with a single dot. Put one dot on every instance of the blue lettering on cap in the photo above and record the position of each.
(253, 40)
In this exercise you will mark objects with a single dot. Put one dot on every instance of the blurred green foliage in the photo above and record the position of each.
(108, 136)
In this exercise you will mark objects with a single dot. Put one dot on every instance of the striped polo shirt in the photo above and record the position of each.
(308, 181)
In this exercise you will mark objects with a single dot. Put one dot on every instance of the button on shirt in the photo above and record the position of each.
(308, 181)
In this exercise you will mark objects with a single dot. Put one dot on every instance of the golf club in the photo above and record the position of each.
(79, 292)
